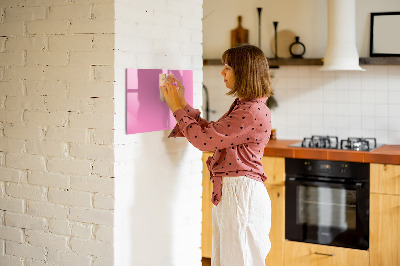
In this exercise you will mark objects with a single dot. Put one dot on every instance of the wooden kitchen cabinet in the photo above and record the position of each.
(274, 168)
(206, 225)
(384, 236)
(385, 178)
(305, 254)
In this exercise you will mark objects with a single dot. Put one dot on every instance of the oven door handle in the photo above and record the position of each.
(357, 185)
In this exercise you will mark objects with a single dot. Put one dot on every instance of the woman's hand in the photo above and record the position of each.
(181, 91)
(171, 94)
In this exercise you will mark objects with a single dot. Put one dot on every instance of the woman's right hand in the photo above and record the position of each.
(181, 91)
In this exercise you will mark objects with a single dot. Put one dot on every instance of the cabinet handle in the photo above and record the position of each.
(325, 254)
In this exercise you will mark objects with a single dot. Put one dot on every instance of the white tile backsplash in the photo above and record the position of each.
(343, 103)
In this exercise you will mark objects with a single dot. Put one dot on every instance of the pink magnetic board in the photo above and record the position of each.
(144, 110)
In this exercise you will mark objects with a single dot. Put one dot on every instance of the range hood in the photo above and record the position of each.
(341, 51)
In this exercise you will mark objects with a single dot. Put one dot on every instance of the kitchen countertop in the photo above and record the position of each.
(389, 154)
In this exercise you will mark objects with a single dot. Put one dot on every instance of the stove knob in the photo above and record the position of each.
(343, 168)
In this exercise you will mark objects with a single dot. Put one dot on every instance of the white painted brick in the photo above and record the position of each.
(12, 145)
(70, 166)
(103, 41)
(11, 117)
(99, 120)
(11, 233)
(68, 258)
(60, 227)
(24, 73)
(104, 169)
(2, 158)
(25, 221)
(12, 204)
(32, 262)
(12, 28)
(105, 260)
(69, 197)
(2, 44)
(91, 89)
(56, 103)
(96, 105)
(103, 11)
(25, 250)
(70, 12)
(71, 42)
(81, 73)
(11, 88)
(48, 179)
(95, 216)
(96, 57)
(93, 184)
(25, 161)
(46, 118)
(11, 59)
(74, 135)
(102, 136)
(46, 2)
(92, 151)
(2, 192)
(91, 247)
(46, 209)
(10, 174)
(25, 103)
(24, 132)
(91, 26)
(82, 230)
(47, 58)
(104, 73)
(8, 260)
(24, 13)
(25, 191)
(47, 240)
(103, 202)
(31, 43)
(47, 27)
(105, 233)
(56, 149)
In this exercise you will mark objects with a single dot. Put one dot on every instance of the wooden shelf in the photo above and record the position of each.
(274, 63)
(380, 61)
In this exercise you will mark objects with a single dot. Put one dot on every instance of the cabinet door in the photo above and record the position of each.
(385, 178)
(384, 229)
(206, 226)
(274, 168)
(277, 233)
(304, 254)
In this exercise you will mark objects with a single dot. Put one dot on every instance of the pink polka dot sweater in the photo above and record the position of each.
(238, 139)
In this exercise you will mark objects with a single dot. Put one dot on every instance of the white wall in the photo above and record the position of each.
(158, 180)
(56, 132)
(344, 103)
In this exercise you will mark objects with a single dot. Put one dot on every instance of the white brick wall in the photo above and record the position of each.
(156, 178)
(56, 132)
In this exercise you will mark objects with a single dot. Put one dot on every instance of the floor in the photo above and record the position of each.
(206, 261)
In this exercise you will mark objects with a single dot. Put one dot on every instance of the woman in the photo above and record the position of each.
(242, 208)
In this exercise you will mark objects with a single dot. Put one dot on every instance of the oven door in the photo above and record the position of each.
(327, 213)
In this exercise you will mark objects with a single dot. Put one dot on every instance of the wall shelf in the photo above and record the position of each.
(274, 63)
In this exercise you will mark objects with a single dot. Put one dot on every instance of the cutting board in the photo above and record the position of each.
(239, 35)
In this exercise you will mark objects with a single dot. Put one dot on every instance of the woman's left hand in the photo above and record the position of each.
(171, 95)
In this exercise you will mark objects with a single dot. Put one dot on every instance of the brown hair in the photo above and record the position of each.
(250, 66)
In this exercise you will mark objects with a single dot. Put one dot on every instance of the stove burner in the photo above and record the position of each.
(328, 142)
(358, 144)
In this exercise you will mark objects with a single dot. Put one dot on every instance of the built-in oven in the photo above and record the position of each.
(327, 202)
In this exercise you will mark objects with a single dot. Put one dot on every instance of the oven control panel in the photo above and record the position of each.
(338, 169)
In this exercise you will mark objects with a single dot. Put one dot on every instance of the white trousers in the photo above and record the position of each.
(241, 223)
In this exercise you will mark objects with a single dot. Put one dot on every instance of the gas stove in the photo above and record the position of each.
(332, 142)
